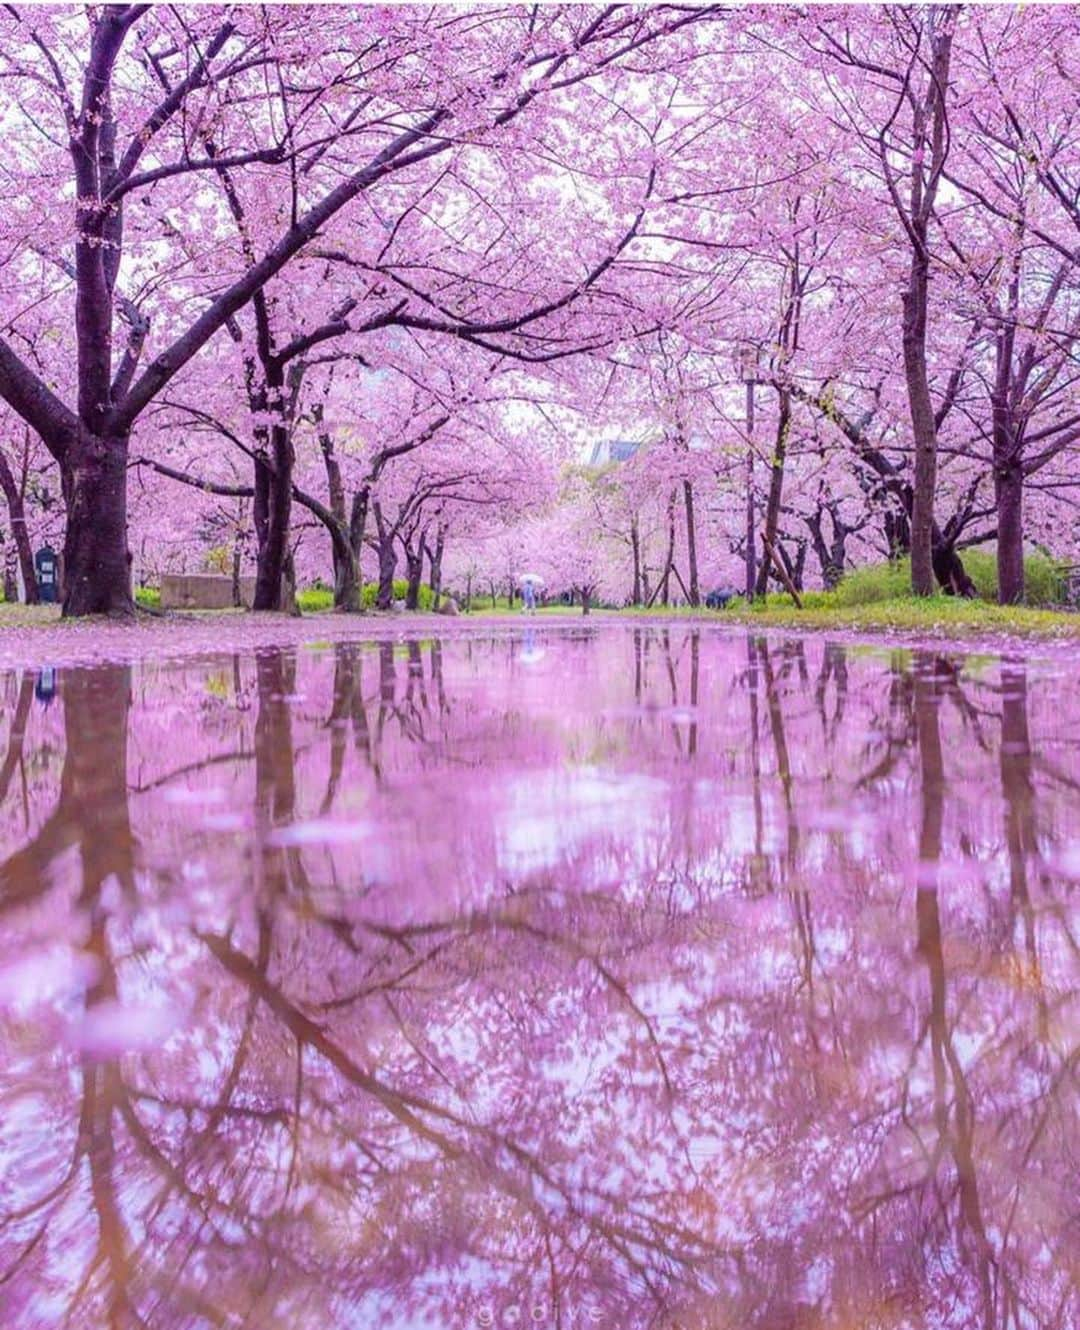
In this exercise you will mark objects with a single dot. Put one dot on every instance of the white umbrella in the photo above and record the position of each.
(531, 579)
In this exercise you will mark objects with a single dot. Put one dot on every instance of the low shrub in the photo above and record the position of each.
(1044, 580)
(148, 596)
(320, 597)
(874, 582)
(314, 598)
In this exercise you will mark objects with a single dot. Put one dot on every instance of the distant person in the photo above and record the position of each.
(530, 584)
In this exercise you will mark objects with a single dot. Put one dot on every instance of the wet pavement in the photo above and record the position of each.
(636, 977)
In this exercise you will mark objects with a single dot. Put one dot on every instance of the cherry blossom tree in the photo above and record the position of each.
(153, 106)
(227, 239)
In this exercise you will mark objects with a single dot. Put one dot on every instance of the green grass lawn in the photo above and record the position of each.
(503, 610)
(877, 598)
(869, 600)
(937, 615)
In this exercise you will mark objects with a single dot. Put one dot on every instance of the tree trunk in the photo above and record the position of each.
(830, 557)
(344, 550)
(924, 431)
(237, 598)
(17, 521)
(798, 569)
(930, 132)
(260, 505)
(274, 536)
(949, 569)
(357, 531)
(96, 569)
(693, 592)
(414, 572)
(1009, 490)
(751, 550)
(945, 563)
(384, 598)
(781, 570)
(896, 525)
(635, 545)
(348, 587)
(585, 607)
(665, 583)
(289, 603)
(435, 560)
(776, 485)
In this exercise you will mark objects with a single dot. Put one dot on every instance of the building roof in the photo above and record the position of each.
(613, 450)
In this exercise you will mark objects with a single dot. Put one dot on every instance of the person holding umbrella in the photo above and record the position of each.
(530, 582)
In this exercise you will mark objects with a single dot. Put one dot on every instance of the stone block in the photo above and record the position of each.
(203, 591)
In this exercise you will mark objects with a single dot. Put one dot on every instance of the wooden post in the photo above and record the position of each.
(789, 585)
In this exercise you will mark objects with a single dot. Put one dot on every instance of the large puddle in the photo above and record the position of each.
(639, 979)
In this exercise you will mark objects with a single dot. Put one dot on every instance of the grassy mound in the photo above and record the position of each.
(878, 598)
(1043, 578)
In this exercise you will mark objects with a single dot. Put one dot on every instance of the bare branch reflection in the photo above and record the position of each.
(685, 979)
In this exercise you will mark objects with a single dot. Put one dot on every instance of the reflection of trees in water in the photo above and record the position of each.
(721, 1081)
(29, 753)
(90, 819)
(19, 695)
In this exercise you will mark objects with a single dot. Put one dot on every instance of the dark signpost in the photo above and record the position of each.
(47, 567)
